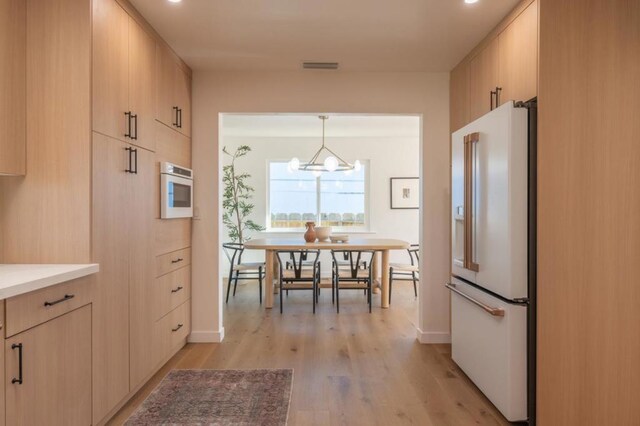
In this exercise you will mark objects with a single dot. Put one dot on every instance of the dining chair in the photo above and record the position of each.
(242, 270)
(297, 277)
(406, 272)
(354, 276)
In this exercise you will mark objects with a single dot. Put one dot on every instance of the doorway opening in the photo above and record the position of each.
(378, 197)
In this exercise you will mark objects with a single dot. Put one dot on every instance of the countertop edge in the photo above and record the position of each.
(48, 281)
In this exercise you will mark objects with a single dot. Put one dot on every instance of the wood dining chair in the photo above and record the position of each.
(242, 270)
(356, 275)
(295, 276)
(406, 272)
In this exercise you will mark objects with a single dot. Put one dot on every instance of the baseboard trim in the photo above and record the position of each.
(206, 336)
(433, 337)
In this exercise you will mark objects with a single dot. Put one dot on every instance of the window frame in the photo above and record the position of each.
(336, 229)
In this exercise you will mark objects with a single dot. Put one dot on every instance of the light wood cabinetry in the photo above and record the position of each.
(459, 97)
(48, 372)
(13, 39)
(174, 92)
(142, 84)
(484, 80)
(588, 209)
(519, 57)
(110, 69)
(171, 261)
(45, 215)
(142, 268)
(171, 290)
(110, 249)
(30, 309)
(2, 373)
(123, 76)
(504, 67)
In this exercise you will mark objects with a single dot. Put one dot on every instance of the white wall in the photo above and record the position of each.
(383, 163)
(309, 92)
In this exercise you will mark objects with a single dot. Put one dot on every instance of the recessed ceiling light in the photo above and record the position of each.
(178, 1)
(466, 1)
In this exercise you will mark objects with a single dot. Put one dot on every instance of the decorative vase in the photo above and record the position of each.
(310, 235)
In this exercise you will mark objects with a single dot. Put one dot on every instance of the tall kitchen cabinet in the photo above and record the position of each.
(130, 341)
(173, 106)
(124, 77)
(13, 38)
(504, 67)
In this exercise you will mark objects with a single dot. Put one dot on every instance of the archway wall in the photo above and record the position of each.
(425, 94)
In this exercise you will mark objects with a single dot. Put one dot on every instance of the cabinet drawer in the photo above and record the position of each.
(171, 290)
(172, 329)
(37, 307)
(172, 261)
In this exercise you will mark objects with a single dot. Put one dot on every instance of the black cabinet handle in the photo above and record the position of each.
(134, 135)
(18, 346)
(180, 118)
(177, 260)
(175, 123)
(129, 152)
(135, 156)
(177, 328)
(128, 115)
(64, 299)
(491, 100)
(175, 290)
(498, 90)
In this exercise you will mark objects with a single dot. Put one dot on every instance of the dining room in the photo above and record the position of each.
(321, 192)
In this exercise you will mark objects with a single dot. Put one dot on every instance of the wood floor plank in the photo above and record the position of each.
(352, 368)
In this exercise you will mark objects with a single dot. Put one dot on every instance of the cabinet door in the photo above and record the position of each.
(459, 95)
(165, 98)
(142, 205)
(142, 84)
(483, 78)
(519, 57)
(110, 236)
(110, 69)
(56, 372)
(13, 95)
(183, 100)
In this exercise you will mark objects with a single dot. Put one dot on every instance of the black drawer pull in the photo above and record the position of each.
(177, 260)
(64, 299)
(175, 290)
(19, 379)
(128, 116)
(177, 328)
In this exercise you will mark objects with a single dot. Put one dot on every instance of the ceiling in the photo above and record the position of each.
(362, 35)
(309, 125)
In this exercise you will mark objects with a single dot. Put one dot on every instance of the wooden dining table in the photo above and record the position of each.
(272, 245)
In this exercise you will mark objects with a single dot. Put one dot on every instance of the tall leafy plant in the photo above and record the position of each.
(236, 202)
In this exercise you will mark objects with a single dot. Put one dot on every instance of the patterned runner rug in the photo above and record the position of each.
(218, 397)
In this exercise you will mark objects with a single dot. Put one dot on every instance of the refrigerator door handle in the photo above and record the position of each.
(469, 141)
(496, 312)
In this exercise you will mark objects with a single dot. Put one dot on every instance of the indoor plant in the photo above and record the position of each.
(236, 198)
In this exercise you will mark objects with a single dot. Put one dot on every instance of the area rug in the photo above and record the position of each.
(218, 397)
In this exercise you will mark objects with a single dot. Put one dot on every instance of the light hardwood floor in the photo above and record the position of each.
(354, 368)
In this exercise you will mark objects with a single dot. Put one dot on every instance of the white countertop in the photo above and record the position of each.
(17, 279)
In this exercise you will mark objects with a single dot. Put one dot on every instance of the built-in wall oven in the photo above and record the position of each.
(176, 191)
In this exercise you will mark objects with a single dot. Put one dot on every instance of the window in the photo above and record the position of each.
(337, 199)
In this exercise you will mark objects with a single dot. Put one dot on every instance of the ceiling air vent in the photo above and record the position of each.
(320, 65)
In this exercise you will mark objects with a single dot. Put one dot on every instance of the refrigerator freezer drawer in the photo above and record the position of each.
(489, 343)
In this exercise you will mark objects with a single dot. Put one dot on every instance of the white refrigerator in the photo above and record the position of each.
(491, 244)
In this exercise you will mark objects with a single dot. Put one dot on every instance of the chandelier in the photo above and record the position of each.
(331, 163)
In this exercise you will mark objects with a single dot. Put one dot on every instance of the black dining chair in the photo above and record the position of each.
(354, 275)
(295, 276)
(242, 270)
(406, 272)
